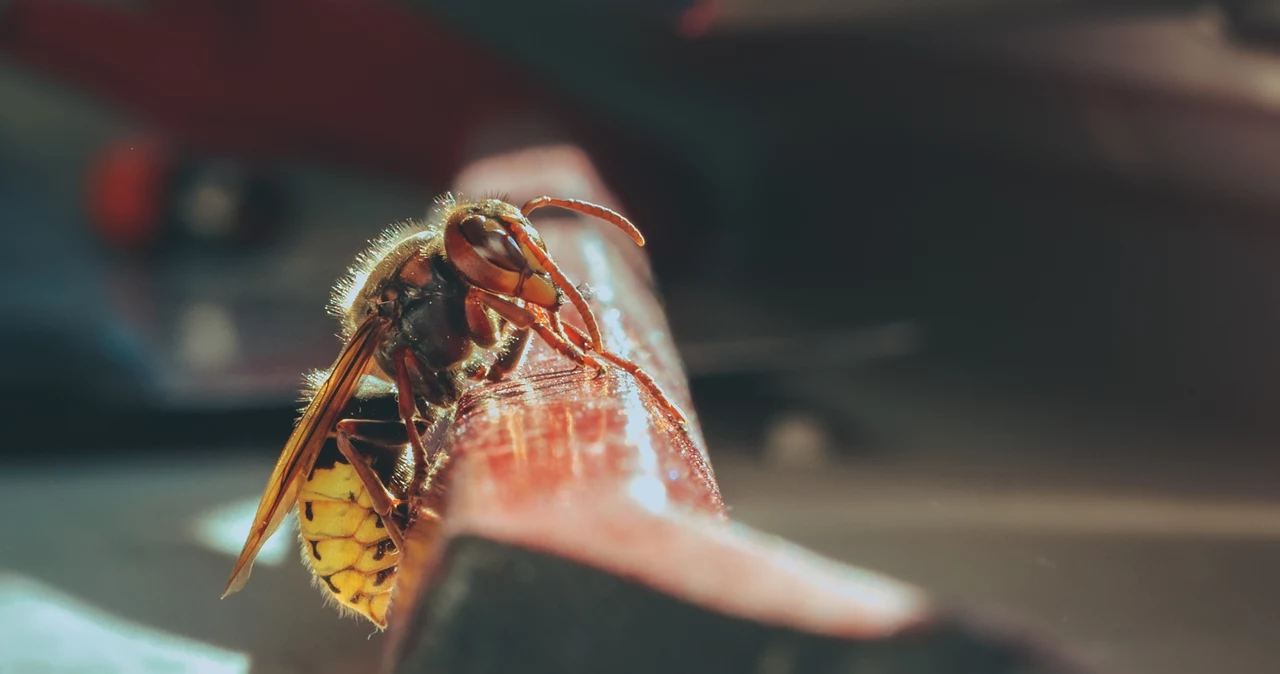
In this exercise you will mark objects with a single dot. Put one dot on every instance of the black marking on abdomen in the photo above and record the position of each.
(378, 522)
(332, 588)
(384, 546)
(328, 457)
(307, 511)
(384, 574)
(315, 552)
(351, 496)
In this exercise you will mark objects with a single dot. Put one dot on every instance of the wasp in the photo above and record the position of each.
(430, 309)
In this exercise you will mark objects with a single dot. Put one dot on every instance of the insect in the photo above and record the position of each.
(427, 310)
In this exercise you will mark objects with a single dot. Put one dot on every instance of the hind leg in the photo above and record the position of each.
(377, 434)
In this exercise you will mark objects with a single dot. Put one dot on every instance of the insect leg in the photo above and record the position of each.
(568, 349)
(383, 500)
(431, 484)
(588, 317)
(439, 392)
(671, 409)
(593, 210)
(478, 321)
(512, 354)
(524, 319)
(407, 366)
(557, 326)
(519, 316)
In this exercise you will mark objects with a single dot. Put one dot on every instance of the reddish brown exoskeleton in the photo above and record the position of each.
(429, 308)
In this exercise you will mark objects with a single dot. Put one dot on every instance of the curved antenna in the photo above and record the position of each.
(586, 208)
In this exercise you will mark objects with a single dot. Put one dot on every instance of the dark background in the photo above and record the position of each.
(983, 297)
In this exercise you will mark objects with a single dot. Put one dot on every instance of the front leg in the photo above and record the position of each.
(523, 318)
(582, 340)
(525, 238)
(557, 326)
(512, 353)
(411, 377)
(479, 323)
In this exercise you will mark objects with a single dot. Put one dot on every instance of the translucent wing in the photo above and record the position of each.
(304, 444)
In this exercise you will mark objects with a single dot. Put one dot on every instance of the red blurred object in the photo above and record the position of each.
(142, 192)
(126, 192)
(374, 84)
(369, 83)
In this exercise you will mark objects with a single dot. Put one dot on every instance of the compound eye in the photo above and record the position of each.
(493, 243)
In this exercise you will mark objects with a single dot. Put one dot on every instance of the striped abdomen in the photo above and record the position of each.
(344, 541)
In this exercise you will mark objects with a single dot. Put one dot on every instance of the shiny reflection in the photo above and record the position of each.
(649, 492)
(611, 326)
(636, 433)
(646, 487)
(48, 631)
(208, 338)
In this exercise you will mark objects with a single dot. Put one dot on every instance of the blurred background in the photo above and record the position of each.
(981, 294)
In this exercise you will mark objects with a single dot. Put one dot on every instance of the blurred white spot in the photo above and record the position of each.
(211, 210)
(225, 529)
(796, 440)
(48, 631)
(207, 336)
(649, 492)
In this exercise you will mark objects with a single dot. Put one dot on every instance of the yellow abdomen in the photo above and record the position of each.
(345, 543)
